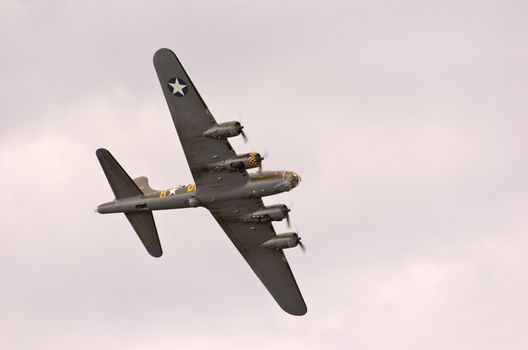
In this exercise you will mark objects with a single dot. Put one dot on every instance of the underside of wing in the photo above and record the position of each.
(269, 265)
(192, 119)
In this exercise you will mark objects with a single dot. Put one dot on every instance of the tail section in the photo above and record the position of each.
(145, 227)
(123, 186)
(143, 184)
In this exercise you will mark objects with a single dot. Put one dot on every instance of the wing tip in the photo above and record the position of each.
(156, 254)
(162, 53)
(101, 151)
(297, 310)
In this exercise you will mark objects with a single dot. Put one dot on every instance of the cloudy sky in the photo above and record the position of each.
(406, 119)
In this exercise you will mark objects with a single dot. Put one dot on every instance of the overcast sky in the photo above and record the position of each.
(407, 121)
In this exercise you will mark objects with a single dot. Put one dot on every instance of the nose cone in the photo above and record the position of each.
(292, 178)
(296, 180)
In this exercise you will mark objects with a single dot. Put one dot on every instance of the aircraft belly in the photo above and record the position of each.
(221, 184)
(171, 202)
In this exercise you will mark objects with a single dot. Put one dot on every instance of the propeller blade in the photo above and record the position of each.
(303, 247)
(243, 134)
(261, 158)
(288, 222)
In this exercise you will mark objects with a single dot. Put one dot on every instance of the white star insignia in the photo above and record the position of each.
(177, 87)
(172, 191)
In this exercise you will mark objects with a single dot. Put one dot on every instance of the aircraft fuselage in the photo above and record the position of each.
(260, 184)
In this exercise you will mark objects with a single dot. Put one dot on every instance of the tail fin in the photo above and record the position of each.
(143, 184)
(123, 186)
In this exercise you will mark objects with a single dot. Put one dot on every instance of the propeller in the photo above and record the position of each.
(302, 246)
(243, 134)
(287, 215)
(261, 158)
(299, 243)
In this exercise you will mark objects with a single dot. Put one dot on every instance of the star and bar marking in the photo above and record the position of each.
(178, 87)
(173, 191)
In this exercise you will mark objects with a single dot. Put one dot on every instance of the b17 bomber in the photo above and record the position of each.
(222, 185)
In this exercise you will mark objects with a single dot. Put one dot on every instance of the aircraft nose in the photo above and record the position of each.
(296, 180)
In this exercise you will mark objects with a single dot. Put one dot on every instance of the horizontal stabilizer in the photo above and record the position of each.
(145, 227)
(122, 185)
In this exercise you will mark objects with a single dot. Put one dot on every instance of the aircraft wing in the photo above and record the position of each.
(192, 118)
(269, 265)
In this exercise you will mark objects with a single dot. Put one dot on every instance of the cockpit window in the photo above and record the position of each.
(293, 178)
(296, 179)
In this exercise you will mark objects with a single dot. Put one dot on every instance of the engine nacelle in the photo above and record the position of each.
(224, 130)
(272, 213)
(240, 162)
(282, 241)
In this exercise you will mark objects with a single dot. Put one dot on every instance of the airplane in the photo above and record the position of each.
(222, 185)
